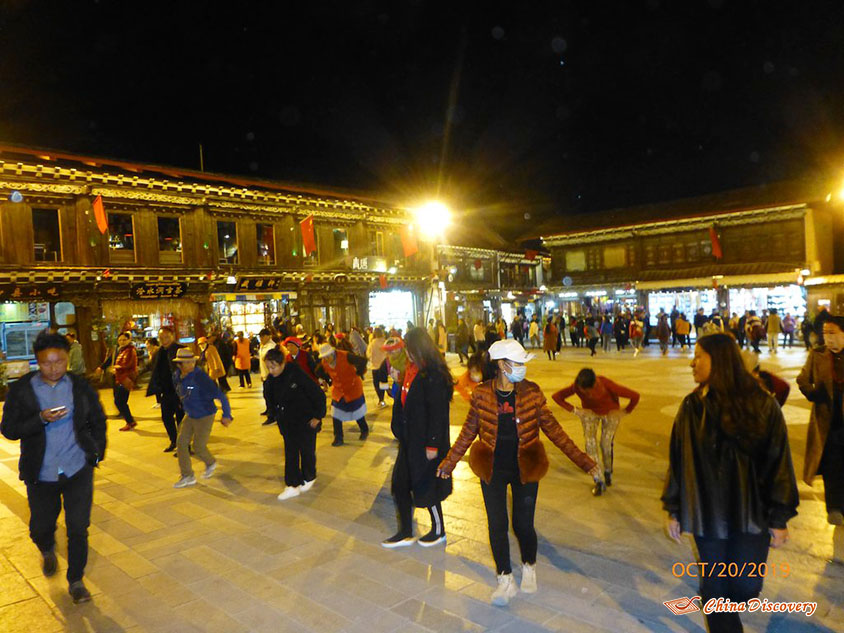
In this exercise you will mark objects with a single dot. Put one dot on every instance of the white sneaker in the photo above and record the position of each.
(184, 482)
(507, 590)
(528, 584)
(288, 493)
(209, 470)
(307, 486)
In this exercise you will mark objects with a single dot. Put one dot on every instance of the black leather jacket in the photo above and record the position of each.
(719, 485)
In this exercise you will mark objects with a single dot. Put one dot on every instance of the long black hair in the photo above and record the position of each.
(428, 358)
(732, 389)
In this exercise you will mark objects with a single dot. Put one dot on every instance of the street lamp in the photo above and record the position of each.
(432, 218)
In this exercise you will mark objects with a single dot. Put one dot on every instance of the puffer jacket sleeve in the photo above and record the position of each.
(549, 425)
(467, 435)
(779, 484)
(315, 395)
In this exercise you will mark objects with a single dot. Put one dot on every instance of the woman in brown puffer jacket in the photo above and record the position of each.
(505, 415)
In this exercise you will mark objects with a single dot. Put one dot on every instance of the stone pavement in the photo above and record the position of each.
(227, 556)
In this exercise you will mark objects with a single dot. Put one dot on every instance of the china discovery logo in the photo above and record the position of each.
(683, 606)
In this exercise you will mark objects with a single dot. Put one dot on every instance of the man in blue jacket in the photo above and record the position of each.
(197, 391)
(60, 423)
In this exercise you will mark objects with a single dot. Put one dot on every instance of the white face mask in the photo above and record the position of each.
(516, 374)
(835, 342)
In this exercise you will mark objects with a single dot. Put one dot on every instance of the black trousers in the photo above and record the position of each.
(403, 498)
(740, 549)
(832, 469)
(524, 507)
(591, 345)
(45, 503)
(171, 415)
(338, 427)
(244, 374)
(121, 401)
(299, 454)
(224, 384)
(379, 376)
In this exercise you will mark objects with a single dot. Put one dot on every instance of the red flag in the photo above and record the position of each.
(382, 281)
(716, 245)
(408, 241)
(530, 255)
(100, 214)
(308, 238)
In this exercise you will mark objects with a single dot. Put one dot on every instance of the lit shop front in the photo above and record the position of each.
(687, 302)
(789, 299)
(392, 309)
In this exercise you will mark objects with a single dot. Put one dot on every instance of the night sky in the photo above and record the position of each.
(501, 109)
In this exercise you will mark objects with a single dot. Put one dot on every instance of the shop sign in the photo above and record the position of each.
(258, 283)
(596, 293)
(159, 290)
(30, 292)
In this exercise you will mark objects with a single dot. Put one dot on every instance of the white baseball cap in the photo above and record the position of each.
(325, 350)
(509, 349)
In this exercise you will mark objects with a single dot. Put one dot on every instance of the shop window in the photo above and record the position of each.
(227, 242)
(575, 260)
(169, 240)
(121, 238)
(396, 249)
(341, 243)
(593, 258)
(692, 252)
(47, 236)
(615, 256)
(376, 243)
(477, 272)
(650, 255)
(266, 244)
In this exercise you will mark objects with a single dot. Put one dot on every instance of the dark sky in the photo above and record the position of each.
(505, 109)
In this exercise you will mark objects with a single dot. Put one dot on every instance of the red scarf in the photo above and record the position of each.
(409, 374)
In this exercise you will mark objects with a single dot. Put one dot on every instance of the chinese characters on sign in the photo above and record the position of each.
(258, 283)
(30, 292)
(162, 290)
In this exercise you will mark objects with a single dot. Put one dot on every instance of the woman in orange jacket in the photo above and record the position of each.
(243, 360)
(347, 400)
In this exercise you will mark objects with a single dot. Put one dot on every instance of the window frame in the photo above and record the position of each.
(60, 252)
(221, 260)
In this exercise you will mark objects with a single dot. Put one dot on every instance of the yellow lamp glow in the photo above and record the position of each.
(432, 218)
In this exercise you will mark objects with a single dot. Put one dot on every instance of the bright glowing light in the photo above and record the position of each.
(231, 280)
(16, 196)
(432, 218)
(805, 272)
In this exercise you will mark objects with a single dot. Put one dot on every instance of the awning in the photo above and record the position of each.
(770, 279)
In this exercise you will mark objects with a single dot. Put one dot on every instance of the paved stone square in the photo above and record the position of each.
(226, 556)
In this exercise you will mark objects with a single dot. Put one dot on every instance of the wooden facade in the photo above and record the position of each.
(36, 188)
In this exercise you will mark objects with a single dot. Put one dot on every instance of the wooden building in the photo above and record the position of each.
(188, 248)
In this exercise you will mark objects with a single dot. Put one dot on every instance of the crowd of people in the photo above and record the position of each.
(729, 433)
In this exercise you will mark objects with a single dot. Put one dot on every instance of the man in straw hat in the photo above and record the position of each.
(197, 392)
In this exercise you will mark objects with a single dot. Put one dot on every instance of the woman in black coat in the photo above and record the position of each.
(730, 479)
(420, 423)
(297, 404)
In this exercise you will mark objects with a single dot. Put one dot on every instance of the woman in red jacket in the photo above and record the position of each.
(599, 402)
(506, 415)
(124, 362)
